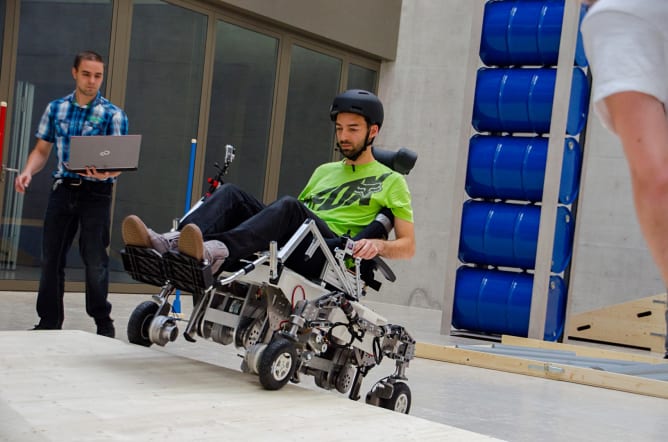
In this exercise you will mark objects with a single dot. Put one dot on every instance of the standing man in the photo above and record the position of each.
(626, 43)
(78, 201)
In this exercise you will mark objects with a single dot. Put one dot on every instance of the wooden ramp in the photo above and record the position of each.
(638, 374)
(640, 323)
(77, 386)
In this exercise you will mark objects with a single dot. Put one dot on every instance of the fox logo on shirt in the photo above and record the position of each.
(358, 191)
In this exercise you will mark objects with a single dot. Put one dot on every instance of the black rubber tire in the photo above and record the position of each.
(400, 400)
(139, 322)
(277, 364)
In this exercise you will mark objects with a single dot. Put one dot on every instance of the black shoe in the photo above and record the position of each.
(106, 329)
(43, 327)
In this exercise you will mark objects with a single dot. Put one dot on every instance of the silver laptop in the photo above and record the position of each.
(104, 152)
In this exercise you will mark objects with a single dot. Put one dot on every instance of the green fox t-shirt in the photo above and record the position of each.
(348, 197)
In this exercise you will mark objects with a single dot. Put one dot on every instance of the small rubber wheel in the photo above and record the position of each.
(277, 364)
(139, 322)
(400, 401)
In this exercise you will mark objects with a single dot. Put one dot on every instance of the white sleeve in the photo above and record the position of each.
(625, 53)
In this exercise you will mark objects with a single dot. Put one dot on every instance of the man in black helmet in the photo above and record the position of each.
(343, 198)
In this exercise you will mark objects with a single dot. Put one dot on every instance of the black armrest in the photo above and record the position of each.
(379, 229)
(401, 160)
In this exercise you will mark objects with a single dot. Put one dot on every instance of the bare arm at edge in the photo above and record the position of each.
(36, 162)
(641, 123)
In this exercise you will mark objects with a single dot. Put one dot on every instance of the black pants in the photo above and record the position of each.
(247, 226)
(84, 206)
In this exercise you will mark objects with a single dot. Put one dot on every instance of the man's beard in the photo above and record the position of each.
(353, 153)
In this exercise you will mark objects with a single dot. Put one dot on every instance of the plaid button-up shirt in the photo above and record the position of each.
(64, 118)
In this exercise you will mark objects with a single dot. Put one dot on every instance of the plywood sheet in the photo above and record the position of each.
(77, 386)
(542, 367)
(640, 323)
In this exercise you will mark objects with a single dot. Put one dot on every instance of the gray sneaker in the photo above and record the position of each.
(135, 233)
(191, 243)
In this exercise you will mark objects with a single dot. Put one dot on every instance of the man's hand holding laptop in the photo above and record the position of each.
(92, 172)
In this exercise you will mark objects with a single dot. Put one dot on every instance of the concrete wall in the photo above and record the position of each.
(423, 91)
(368, 25)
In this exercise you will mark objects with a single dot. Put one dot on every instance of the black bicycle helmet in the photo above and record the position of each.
(358, 101)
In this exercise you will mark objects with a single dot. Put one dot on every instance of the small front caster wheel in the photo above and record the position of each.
(277, 364)
(400, 401)
(139, 323)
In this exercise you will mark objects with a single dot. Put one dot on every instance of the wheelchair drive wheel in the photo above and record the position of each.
(139, 323)
(277, 364)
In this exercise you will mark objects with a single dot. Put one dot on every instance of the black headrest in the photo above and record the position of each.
(401, 160)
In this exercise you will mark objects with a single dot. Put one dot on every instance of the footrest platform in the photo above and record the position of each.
(144, 265)
(186, 273)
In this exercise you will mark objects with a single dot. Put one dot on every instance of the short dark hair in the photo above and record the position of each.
(87, 55)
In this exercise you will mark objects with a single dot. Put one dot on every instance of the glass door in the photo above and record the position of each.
(242, 95)
(46, 50)
(3, 13)
(309, 132)
(163, 95)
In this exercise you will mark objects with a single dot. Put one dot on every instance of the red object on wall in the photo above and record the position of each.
(3, 117)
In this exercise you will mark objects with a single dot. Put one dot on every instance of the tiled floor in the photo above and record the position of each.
(502, 405)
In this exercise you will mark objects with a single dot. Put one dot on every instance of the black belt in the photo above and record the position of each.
(74, 183)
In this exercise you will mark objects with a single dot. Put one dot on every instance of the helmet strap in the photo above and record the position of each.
(367, 143)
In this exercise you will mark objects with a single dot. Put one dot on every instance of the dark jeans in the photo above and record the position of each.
(86, 208)
(247, 226)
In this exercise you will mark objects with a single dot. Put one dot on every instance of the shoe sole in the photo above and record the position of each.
(191, 242)
(135, 232)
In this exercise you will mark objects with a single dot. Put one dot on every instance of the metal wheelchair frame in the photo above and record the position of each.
(327, 333)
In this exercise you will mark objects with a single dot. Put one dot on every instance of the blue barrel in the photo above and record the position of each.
(525, 32)
(506, 235)
(519, 100)
(513, 168)
(499, 302)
